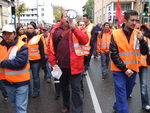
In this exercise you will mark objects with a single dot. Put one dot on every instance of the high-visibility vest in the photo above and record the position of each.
(103, 42)
(23, 37)
(77, 47)
(45, 42)
(126, 50)
(87, 47)
(34, 52)
(9, 74)
(143, 58)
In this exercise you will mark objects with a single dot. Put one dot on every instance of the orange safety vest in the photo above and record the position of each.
(77, 47)
(103, 42)
(143, 58)
(87, 47)
(34, 52)
(127, 52)
(9, 74)
(23, 37)
(45, 42)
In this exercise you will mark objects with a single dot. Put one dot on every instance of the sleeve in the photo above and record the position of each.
(81, 36)
(42, 53)
(19, 62)
(51, 54)
(143, 47)
(115, 56)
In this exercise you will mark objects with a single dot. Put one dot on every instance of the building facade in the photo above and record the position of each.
(39, 12)
(105, 10)
(4, 13)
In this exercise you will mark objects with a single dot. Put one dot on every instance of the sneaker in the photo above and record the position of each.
(35, 95)
(114, 110)
(48, 80)
(147, 108)
(104, 77)
(5, 99)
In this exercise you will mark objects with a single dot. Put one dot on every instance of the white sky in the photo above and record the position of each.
(68, 4)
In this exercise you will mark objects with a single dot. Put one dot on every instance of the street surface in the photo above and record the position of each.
(99, 95)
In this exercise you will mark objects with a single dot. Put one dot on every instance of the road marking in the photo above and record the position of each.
(93, 95)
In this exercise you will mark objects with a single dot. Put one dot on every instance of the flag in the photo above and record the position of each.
(119, 14)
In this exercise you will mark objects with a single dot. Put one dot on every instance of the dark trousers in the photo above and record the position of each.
(86, 62)
(75, 82)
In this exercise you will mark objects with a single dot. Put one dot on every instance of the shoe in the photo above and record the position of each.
(48, 80)
(57, 97)
(45, 77)
(35, 95)
(104, 77)
(5, 99)
(114, 110)
(130, 96)
(84, 73)
(65, 110)
(147, 108)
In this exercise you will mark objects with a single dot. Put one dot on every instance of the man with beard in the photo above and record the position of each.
(65, 50)
(36, 56)
(125, 48)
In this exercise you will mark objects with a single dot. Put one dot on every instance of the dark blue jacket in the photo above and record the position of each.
(20, 60)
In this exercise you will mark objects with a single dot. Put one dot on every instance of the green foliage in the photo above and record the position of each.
(90, 9)
(57, 11)
(20, 9)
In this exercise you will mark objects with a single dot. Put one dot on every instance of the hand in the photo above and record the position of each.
(55, 67)
(71, 23)
(139, 36)
(99, 32)
(129, 72)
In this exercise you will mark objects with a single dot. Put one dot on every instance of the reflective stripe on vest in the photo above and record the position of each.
(129, 53)
(17, 72)
(34, 53)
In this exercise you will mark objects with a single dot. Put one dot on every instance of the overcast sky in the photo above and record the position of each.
(68, 4)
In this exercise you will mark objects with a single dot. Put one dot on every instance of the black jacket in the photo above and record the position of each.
(115, 56)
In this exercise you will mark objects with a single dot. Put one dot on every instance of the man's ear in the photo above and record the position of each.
(15, 34)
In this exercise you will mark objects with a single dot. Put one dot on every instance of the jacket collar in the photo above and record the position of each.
(9, 45)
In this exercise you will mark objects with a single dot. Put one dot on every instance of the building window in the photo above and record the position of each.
(5, 21)
(42, 9)
(124, 7)
(42, 14)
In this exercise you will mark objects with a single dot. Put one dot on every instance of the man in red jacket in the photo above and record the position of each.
(65, 50)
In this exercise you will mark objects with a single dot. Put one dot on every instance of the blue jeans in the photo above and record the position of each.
(104, 63)
(35, 68)
(123, 88)
(18, 97)
(143, 86)
(47, 70)
(3, 89)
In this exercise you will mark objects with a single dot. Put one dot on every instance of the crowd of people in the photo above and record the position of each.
(69, 46)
